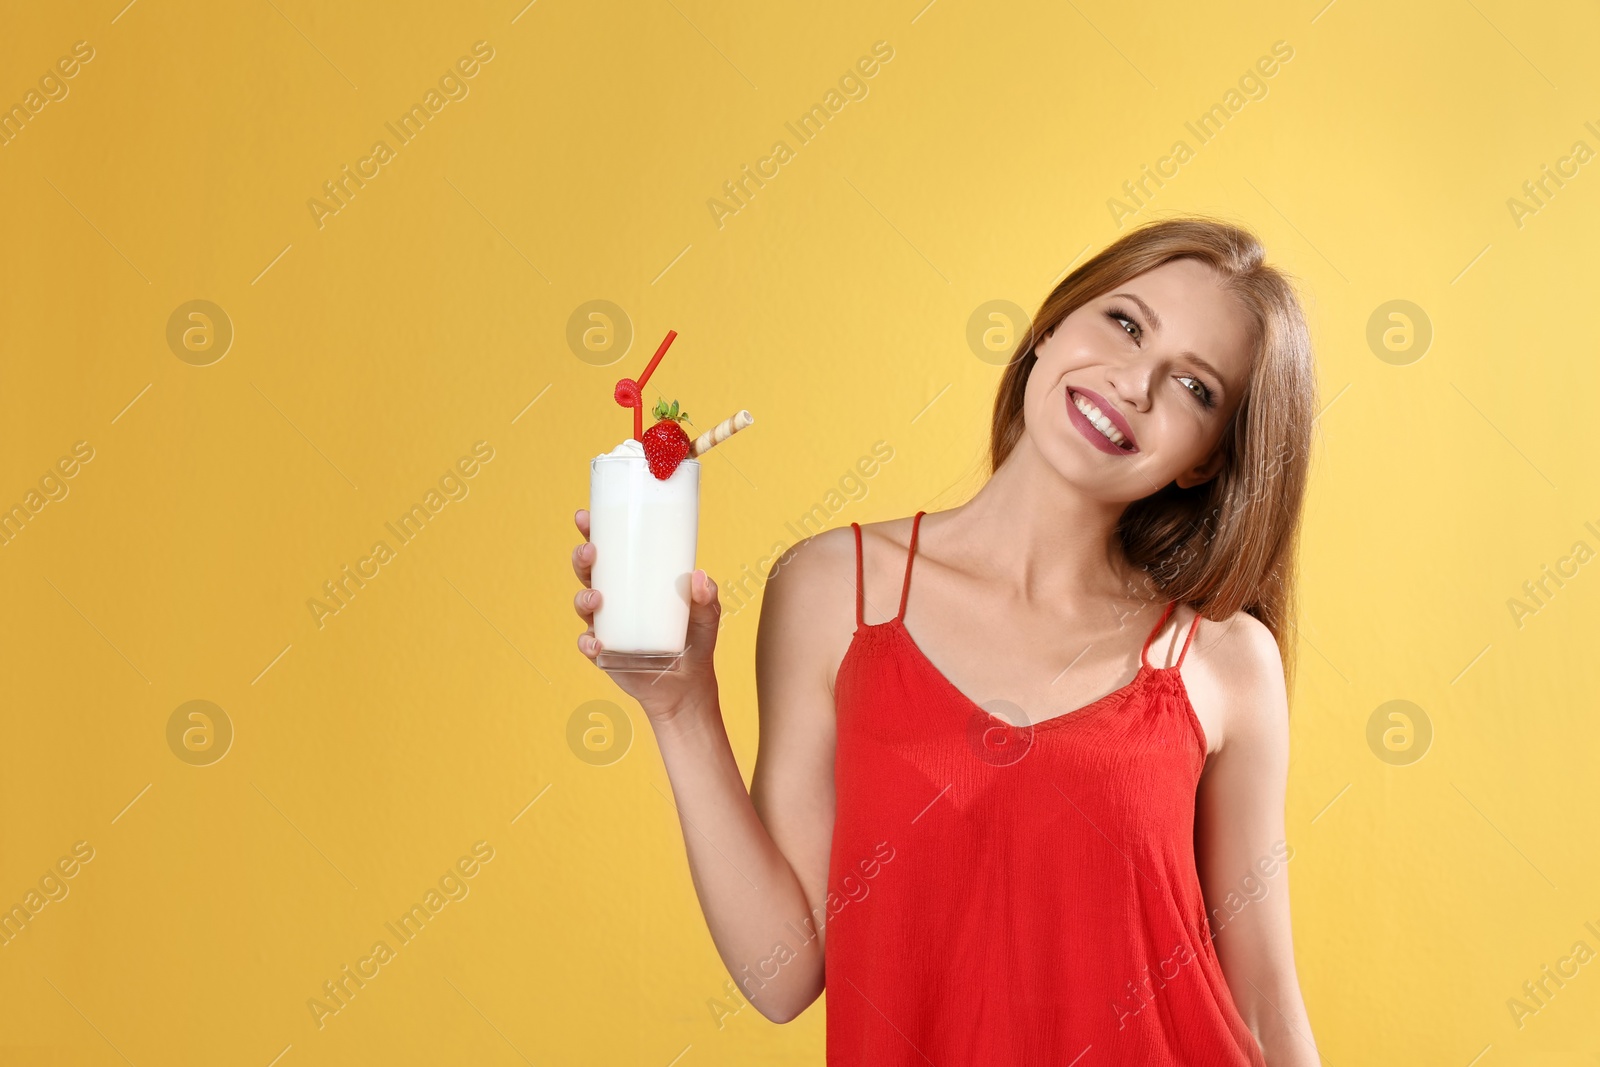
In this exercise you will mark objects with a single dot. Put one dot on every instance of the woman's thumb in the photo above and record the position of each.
(704, 607)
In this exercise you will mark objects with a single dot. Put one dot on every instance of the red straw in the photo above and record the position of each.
(638, 405)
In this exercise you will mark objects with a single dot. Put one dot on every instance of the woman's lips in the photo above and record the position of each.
(1092, 432)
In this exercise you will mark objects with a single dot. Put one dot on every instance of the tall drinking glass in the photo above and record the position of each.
(644, 531)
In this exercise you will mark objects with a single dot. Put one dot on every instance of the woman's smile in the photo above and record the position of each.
(1099, 421)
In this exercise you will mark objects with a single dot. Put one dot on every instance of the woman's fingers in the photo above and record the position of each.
(586, 600)
(583, 561)
(583, 555)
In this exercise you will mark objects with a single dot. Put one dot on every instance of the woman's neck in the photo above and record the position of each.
(1041, 537)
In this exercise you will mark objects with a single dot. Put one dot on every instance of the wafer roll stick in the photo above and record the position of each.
(721, 432)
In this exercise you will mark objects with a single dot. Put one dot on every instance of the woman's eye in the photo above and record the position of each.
(1198, 389)
(1118, 317)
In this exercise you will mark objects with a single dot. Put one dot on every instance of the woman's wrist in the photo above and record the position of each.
(690, 712)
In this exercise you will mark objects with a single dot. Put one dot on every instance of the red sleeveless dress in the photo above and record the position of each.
(1007, 894)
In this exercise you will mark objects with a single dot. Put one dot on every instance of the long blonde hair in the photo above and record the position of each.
(1230, 543)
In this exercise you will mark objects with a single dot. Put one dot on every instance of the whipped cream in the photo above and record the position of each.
(631, 449)
(628, 448)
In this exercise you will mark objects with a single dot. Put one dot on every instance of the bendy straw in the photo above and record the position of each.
(629, 393)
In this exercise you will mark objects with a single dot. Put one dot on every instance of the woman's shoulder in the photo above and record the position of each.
(1234, 675)
(808, 604)
(895, 532)
(821, 551)
(816, 576)
(1239, 646)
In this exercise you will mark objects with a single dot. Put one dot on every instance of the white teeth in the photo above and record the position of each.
(1101, 423)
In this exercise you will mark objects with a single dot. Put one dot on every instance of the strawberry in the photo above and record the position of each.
(665, 444)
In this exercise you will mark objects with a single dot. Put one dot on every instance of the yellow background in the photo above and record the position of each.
(371, 353)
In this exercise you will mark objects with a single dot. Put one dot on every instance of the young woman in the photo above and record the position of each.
(1019, 791)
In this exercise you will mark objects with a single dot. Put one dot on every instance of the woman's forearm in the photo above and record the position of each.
(1283, 1028)
(751, 898)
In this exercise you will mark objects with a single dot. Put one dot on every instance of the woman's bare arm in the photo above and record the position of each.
(1240, 848)
(758, 858)
(807, 607)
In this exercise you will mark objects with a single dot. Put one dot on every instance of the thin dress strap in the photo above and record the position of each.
(1193, 626)
(1165, 615)
(911, 554)
(857, 528)
(1144, 658)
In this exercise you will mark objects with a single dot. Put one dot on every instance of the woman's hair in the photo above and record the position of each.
(1228, 544)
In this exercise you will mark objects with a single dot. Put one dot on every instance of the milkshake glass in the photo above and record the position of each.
(644, 531)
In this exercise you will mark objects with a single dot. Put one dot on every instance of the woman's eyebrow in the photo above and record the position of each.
(1149, 312)
(1155, 324)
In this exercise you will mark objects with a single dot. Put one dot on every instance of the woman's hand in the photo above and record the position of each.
(662, 694)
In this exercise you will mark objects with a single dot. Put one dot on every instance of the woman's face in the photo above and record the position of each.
(1164, 358)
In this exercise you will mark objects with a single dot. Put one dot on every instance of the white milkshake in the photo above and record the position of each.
(644, 531)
